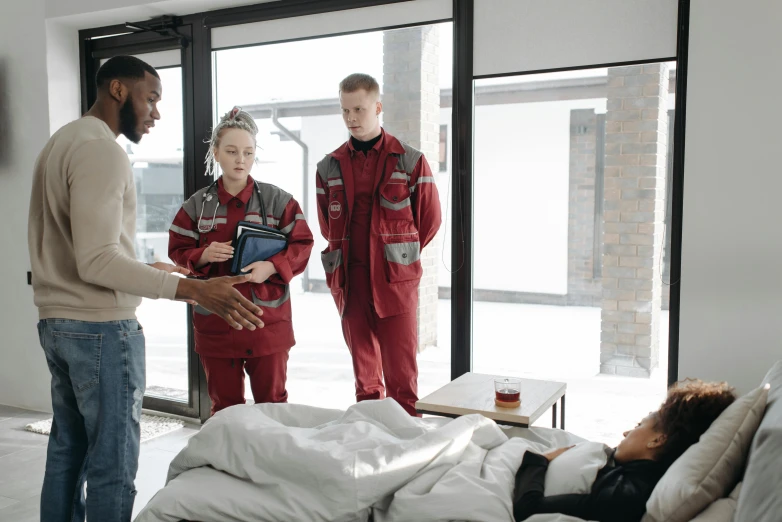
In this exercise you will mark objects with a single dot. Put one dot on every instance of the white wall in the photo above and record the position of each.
(63, 69)
(731, 302)
(24, 377)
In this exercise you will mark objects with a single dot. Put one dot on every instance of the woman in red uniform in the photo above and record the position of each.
(200, 239)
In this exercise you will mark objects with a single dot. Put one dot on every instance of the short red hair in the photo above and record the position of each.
(358, 81)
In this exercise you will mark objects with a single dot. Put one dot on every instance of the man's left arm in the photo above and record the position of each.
(293, 260)
(425, 201)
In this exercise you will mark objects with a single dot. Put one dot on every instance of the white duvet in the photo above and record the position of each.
(287, 462)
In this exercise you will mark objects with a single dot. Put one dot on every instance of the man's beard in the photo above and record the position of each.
(128, 121)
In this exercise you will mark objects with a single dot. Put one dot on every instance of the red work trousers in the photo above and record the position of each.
(383, 349)
(225, 379)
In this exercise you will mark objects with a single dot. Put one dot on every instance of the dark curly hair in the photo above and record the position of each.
(688, 411)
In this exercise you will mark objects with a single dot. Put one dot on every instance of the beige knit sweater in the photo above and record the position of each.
(81, 229)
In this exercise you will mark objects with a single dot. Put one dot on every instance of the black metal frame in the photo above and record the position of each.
(561, 413)
(201, 94)
(575, 68)
(462, 179)
(197, 84)
(674, 309)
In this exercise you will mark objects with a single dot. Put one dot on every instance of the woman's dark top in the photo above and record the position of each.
(619, 493)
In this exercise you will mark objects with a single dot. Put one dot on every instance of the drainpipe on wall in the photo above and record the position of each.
(305, 201)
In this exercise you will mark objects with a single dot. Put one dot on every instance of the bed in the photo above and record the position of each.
(288, 462)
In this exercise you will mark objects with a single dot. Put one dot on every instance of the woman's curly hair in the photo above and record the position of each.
(688, 411)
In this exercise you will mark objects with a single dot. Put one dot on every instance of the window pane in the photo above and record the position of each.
(298, 83)
(157, 169)
(570, 212)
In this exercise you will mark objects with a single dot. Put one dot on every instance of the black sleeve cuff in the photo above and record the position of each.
(534, 459)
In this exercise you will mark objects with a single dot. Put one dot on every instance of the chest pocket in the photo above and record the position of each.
(395, 200)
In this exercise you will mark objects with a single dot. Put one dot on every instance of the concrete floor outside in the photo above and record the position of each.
(532, 341)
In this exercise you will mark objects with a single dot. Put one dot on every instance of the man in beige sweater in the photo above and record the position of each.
(87, 285)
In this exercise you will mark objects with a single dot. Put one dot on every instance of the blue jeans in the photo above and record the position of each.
(98, 386)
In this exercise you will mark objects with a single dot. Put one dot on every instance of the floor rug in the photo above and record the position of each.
(152, 426)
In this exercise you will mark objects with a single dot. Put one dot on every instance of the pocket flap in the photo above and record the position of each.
(331, 260)
(271, 303)
(403, 253)
(395, 196)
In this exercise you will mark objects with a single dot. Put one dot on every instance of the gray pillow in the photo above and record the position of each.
(710, 469)
(760, 499)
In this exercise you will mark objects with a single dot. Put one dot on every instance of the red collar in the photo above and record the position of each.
(244, 196)
(387, 143)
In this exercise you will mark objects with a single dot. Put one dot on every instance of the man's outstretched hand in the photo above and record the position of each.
(219, 296)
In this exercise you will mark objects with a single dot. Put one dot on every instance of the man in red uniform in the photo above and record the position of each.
(378, 208)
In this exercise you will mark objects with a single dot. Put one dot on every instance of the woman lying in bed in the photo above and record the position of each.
(625, 484)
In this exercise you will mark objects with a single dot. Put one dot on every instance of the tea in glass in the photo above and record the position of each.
(507, 392)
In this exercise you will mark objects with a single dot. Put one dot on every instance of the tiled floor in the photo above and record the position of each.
(23, 458)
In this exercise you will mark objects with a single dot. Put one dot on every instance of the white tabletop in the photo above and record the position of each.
(474, 393)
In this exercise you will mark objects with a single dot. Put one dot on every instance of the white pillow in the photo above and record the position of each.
(708, 470)
(575, 470)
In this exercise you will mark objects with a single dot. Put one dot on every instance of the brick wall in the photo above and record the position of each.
(634, 195)
(411, 112)
(583, 288)
(587, 144)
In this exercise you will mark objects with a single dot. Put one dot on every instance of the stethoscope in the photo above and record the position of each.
(209, 196)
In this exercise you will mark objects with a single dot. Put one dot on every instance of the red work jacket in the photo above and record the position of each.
(203, 220)
(405, 217)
